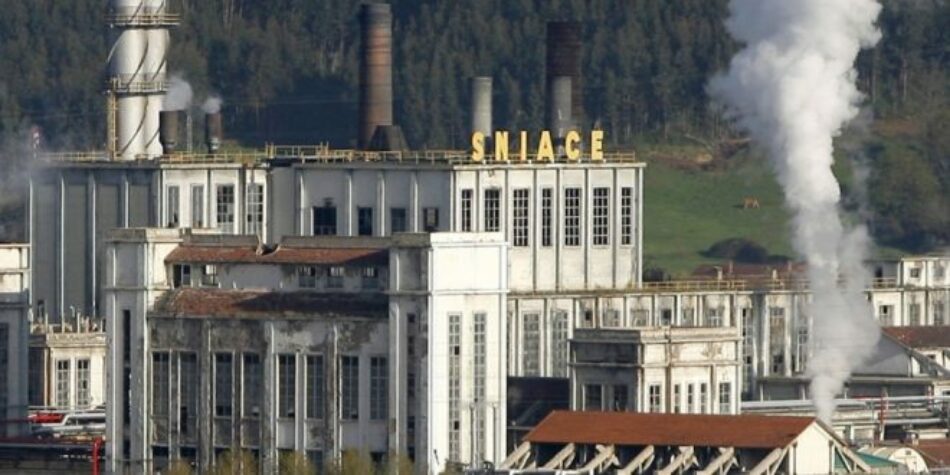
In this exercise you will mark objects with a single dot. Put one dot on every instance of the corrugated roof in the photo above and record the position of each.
(197, 254)
(641, 429)
(921, 337)
(192, 302)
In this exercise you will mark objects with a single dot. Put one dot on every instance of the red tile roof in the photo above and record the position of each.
(198, 254)
(191, 302)
(936, 452)
(640, 429)
(920, 337)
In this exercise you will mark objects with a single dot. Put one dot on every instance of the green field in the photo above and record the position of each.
(687, 210)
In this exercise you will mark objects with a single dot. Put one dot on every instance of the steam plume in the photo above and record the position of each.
(179, 94)
(791, 87)
(212, 105)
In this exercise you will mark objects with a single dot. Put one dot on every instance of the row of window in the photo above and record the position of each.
(307, 276)
(886, 314)
(224, 207)
(324, 220)
(573, 229)
(694, 401)
(239, 379)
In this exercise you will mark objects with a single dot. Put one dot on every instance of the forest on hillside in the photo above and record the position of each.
(287, 71)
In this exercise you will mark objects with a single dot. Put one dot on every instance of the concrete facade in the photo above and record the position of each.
(15, 278)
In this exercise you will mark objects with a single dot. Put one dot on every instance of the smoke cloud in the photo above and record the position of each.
(212, 105)
(179, 94)
(792, 88)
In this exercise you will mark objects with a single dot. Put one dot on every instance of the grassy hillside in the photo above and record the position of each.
(687, 209)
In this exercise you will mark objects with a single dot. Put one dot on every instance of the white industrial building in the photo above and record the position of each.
(14, 328)
(411, 286)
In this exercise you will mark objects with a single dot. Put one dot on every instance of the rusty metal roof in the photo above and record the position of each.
(935, 452)
(202, 254)
(920, 337)
(641, 429)
(197, 303)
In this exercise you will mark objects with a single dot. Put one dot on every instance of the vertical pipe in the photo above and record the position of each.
(481, 105)
(376, 82)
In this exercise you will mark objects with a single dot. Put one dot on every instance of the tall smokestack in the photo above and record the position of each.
(376, 75)
(564, 59)
(213, 131)
(481, 105)
(559, 106)
(168, 129)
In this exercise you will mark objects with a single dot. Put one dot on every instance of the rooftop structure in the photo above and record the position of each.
(628, 443)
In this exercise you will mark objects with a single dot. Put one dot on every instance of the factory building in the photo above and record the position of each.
(14, 328)
(314, 300)
(635, 443)
(317, 345)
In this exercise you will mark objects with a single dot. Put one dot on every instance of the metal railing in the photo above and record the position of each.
(143, 19)
(324, 154)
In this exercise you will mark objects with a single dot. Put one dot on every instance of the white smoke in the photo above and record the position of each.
(792, 88)
(179, 94)
(212, 105)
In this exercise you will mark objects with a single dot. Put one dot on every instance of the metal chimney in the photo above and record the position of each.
(564, 59)
(168, 129)
(137, 81)
(481, 105)
(376, 76)
(213, 131)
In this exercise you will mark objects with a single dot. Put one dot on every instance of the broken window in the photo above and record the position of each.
(324, 220)
(173, 208)
(223, 384)
(915, 272)
(160, 394)
(593, 397)
(335, 276)
(364, 219)
(315, 386)
(478, 356)
(253, 385)
(801, 349)
(688, 315)
(286, 385)
(397, 220)
(666, 317)
(370, 278)
(197, 206)
(691, 398)
(455, 356)
(209, 275)
(188, 411)
(621, 397)
(307, 277)
(181, 275)
(914, 313)
(714, 317)
(886, 315)
(612, 318)
(349, 387)
(641, 317)
(378, 387)
(430, 219)
(939, 317)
